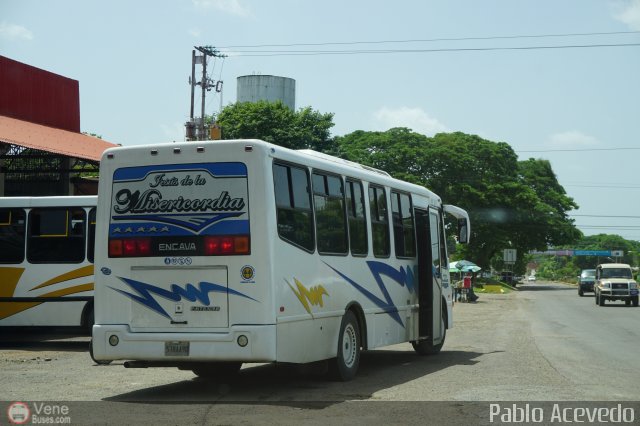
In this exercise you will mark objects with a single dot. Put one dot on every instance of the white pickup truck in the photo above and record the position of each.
(614, 281)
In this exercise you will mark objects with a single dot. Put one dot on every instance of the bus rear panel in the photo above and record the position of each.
(177, 270)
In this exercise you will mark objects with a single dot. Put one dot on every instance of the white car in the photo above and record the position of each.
(531, 278)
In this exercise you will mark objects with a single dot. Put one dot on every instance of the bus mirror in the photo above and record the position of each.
(462, 231)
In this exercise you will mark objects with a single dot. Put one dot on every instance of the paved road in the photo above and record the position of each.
(542, 343)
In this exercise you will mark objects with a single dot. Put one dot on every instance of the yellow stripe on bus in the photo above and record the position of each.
(9, 278)
(85, 271)
(11, 308)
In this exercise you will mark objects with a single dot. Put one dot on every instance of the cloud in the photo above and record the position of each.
(13, 31)
(413, 118)
(232, 7)
(572, 138)
(630, 14)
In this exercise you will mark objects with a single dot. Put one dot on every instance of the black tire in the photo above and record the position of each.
(97, 361)
(635, 301)
(580, 293)
(424, 347)
(345, 366)
(217, 370)
(88, 319)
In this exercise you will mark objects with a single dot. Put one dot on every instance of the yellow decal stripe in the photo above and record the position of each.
(70, 290)
(9, 278)
(85, 271)
(306, 296)
(11, 308)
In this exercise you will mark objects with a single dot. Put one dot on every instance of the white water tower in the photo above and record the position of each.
(271, 88)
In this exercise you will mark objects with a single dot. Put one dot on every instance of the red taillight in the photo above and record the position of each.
(115, 248)
(130, 247)
(217, 246)
(144, 246)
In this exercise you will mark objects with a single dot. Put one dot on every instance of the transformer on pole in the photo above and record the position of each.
(196, 128)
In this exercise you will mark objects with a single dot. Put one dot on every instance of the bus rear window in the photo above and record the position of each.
(199, 209)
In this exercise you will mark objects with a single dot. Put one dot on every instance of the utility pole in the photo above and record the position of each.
(196, 129)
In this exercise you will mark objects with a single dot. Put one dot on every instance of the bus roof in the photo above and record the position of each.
(52, 201)
(307, 157)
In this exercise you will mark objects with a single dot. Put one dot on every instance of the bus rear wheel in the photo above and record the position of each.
(345, 366)
(217, 370)
(425, 347)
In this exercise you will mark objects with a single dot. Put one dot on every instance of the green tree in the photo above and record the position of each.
(274, 122)
(482, 176)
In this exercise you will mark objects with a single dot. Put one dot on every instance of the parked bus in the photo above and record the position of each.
(46, 261)
(211, 254)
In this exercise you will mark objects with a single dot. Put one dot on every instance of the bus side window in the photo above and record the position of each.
(12, 222)
(403, 227)
(435, 243)
(56, 235)
(328, 202)
(379, 221)
(356, 218)
(293, 205)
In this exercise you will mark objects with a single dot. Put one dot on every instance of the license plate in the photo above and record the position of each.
(176, 348)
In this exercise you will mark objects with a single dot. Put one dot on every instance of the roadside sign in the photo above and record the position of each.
(592, 252)
(617, 253)
(509, 255)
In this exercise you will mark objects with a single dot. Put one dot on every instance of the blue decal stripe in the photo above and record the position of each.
(197, 224)
(188, 292)
(213, 169)
(153, 229)
(387, 305)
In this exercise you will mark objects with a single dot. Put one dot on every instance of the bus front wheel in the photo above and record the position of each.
(345, 366)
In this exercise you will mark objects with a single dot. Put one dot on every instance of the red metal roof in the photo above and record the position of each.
(36, 136)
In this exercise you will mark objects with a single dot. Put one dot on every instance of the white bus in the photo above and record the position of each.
(211, 254)
(46, 261)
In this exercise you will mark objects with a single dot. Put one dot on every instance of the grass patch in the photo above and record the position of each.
(494, 288)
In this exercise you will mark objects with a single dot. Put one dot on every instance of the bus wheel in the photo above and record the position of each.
(424, 347)
(217, 370)
(345, 366)
(97, 361)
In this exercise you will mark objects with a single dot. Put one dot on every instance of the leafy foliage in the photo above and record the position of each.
(511, 204)
(274, 122)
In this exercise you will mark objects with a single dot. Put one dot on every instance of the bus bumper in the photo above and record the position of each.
(185, 347)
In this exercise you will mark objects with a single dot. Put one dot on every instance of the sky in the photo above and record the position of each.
(502, 69)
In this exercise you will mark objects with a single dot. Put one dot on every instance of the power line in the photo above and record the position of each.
(603, 215)
(430, 40)
(394, 51)
(605, 186)
(582, 149)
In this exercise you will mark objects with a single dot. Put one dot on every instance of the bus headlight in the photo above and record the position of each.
(243, 340)
(114, 340)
